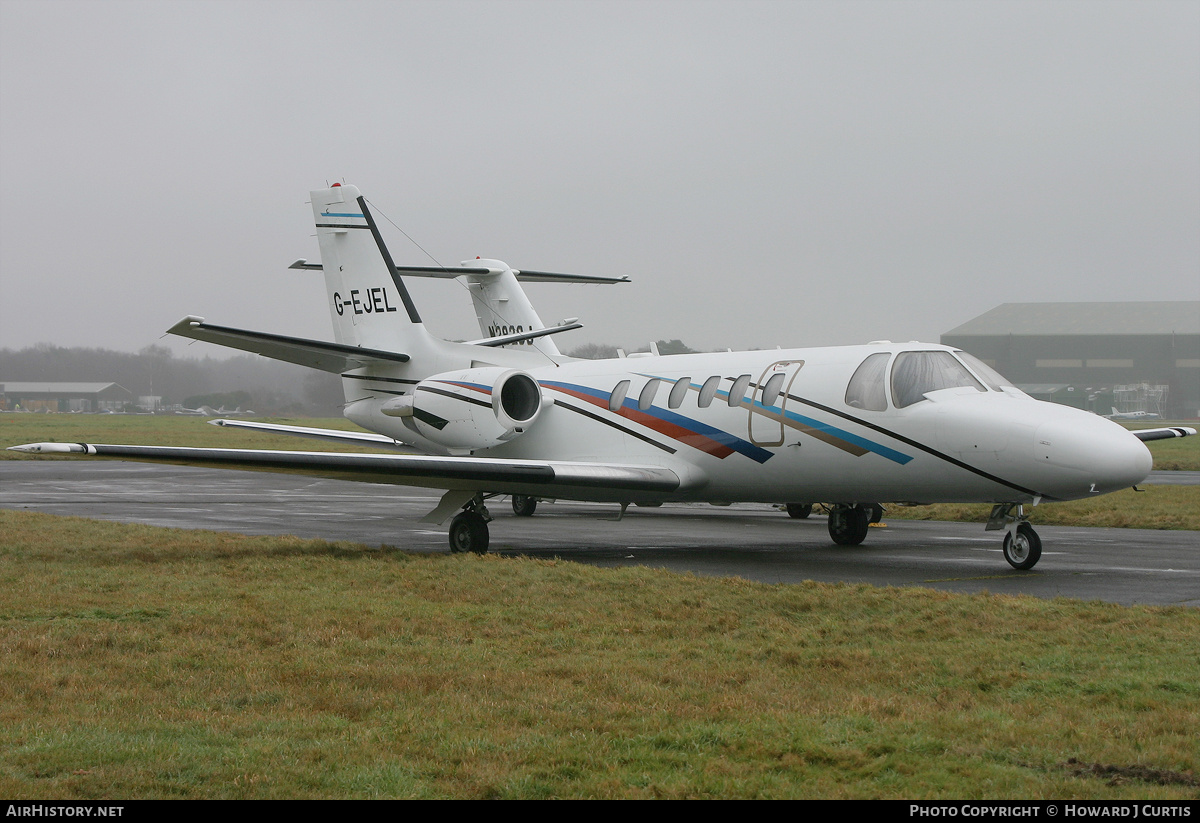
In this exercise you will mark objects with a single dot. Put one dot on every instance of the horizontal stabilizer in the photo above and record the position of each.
(376, 441)
(547, 478)
(505, 339)
(450, 272)
(315, 354)
(1162, 434)
(527, 276)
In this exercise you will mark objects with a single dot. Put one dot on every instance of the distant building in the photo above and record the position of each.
(1128, 356)
(64, 397)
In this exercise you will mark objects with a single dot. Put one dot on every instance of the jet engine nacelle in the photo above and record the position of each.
(475, 408)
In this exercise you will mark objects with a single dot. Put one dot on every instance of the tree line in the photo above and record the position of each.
(269, 387)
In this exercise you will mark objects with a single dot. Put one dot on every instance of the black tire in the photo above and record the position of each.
(524, 505)
(1024, 549)
(800, 511)
(848, 525)
(469, 533)
(874, 512)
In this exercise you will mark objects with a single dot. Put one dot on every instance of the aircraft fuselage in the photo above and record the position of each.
(799, 439)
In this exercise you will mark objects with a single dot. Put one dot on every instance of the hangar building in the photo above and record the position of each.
(1098, 356)
(64, 397)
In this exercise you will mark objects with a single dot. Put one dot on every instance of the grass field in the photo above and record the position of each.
(141, 662)
(1154, 507)
(1176, 454)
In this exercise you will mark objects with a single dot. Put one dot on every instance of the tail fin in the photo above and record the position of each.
(502, 307)
(367, 299)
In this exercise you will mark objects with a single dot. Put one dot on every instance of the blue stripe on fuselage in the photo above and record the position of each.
(724, 438)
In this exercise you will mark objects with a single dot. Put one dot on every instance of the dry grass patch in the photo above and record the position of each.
(144, 662)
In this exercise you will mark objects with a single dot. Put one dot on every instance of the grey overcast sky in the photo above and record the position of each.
(766, 173)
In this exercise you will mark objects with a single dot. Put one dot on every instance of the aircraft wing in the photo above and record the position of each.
(378, 441)
(1162, 434)
(549, 478)
(315, 354)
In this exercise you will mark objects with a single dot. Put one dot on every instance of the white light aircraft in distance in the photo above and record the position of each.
(1133, 415)
(850, 426)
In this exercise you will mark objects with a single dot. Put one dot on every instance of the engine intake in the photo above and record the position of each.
(475, 408)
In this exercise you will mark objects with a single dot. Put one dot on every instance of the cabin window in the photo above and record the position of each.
(678, 392)
(916, 373)
(708, 391)
(617, 398)
(646, 398)
(772, 388)
(737, 392)
(867, 388)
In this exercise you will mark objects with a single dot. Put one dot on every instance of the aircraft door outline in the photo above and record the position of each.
(768, 402)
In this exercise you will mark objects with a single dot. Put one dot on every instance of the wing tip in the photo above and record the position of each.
(53, 448)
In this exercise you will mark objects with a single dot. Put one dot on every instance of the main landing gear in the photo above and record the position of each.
(848, 524)
(799, 511)
(469, 529)
(524, 505)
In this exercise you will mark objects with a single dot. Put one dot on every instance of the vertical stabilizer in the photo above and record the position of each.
(367, 299)
(502, 307)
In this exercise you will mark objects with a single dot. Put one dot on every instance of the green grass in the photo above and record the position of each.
(1155, 507)
(1176, 454)
(144, 662)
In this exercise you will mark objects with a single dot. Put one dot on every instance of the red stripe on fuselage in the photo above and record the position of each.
(702, 442)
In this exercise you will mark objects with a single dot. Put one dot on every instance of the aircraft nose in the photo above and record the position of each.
(1105, 456)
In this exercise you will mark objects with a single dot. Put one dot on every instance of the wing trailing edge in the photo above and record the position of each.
(315, 354)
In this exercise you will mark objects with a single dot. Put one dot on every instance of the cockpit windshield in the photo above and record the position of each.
(916, 373)
(993, 378)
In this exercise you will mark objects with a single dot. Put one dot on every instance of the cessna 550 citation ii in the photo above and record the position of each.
(855, 425)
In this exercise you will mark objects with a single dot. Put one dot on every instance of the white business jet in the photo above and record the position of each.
(859, 425)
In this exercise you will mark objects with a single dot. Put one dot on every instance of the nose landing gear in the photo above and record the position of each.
(1022, 546)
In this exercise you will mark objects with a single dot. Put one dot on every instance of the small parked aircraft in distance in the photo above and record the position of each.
(209, 411)
(1133, 415)
(851, 426)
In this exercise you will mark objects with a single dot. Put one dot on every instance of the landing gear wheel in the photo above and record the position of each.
(800, 511)
(469, 533)
(1023, 548)
(524, 505)
(848, 525)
